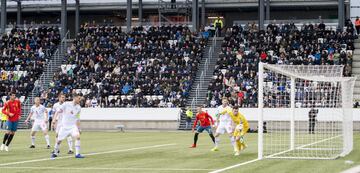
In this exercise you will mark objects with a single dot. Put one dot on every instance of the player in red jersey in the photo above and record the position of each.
(12, 109)
(206, 122)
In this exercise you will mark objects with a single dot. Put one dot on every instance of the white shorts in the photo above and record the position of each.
(65, 132)
(222, 128)
(37, 126)
(58, 127)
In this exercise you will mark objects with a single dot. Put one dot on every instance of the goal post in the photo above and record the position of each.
(305, 111)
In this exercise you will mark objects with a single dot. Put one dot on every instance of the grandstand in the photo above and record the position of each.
(140, 65)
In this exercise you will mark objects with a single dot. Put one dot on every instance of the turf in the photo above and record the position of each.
(142, 152)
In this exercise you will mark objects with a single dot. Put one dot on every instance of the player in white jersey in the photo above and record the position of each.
(39, 113)
(70, 125)
(58, 117)
(224, 124)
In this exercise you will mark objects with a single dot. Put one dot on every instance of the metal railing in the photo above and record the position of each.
(204, 72)
(48, 72)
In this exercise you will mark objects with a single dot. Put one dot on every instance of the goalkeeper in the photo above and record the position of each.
(241, 128)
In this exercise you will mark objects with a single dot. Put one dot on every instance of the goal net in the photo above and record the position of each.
(305, 112)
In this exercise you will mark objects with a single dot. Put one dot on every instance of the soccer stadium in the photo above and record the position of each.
(180, 86)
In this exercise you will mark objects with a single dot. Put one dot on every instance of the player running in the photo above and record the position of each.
(12, 109)
(241, 128)
(206, 122)
(40, 115)
(224, 124)
(58, 125)
(70, 125)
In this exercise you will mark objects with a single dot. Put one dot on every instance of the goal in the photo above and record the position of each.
(305, 112)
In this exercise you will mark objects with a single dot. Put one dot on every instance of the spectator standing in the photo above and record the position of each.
(312, 120)
(189, 115)
(357, 25)
(218, 26)
(3, 121)
(94, 102)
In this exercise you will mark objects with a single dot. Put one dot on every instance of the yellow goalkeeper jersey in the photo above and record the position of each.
(239, 119)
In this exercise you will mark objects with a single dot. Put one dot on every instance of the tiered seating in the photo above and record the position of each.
(244, 47)
(149, 67)
(23, 55)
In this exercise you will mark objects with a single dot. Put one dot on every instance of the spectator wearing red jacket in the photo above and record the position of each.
(206, 122)
(12, 109)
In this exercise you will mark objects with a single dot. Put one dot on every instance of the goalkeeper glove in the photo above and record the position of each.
(242, 139)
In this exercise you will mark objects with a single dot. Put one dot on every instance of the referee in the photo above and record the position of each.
(312, 120)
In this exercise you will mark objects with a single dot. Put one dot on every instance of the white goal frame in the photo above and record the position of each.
(327, 73)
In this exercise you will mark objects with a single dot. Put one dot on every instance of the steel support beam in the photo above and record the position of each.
(267, 10)
(341, 14)
(77, 17)
(140, 15)
(128, 15)
(203, 14)
(3, 16)
(18, 13)
(63, 18)
(261, 14)
(194, 15)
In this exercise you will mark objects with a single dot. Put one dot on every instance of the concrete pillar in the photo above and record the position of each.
(267, 10)
(203, 14)
(341, 14)
(18, 13)
(140, 15)
(3, 16)
(193, 15)
(128, 15)
(261, 14)
(63, 18)
(77, 16)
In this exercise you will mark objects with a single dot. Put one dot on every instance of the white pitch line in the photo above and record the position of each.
(234, 166)
(355, 169)
(97, 168)
(255, 160)
(89, 154)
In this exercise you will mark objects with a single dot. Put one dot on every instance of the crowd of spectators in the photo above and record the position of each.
(235, 76)
(148, 67)
(23, 55)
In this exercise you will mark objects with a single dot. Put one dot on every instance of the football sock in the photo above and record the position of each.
(9, 139)
(70, 142)
(47, 139)
(32, 140)
(217, 141)
(196, 138)
(212, 138)
(232, 141)
(77, 147)
(6, 136)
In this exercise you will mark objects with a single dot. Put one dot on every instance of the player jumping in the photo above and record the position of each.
(40, 115)
(224, 124)
(206, 122)
(58, 125)
(70, 125)
(241, 128)
(12, 109)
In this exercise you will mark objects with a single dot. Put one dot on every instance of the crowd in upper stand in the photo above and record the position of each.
(23, 55)
(148, 67)
(244, 47)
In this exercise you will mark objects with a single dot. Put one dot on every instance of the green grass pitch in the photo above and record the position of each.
(144, 152)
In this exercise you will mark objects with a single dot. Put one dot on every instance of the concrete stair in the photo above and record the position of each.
(51, 67)
(356, 69)
(195, 100)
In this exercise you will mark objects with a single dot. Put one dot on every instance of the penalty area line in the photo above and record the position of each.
(234, 166)
(89, 154)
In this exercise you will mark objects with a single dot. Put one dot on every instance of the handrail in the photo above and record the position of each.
(204, 72)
